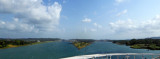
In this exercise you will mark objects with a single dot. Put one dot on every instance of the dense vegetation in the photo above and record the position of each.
(8, 43)
(148, 43)
(81, 43)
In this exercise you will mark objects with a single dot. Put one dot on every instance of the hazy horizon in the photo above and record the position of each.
(81, 19)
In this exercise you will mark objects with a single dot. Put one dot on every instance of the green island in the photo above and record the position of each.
(81, 43)
(10, 43)
(147, 43)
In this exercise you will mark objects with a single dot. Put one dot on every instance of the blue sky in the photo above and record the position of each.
(88, 19)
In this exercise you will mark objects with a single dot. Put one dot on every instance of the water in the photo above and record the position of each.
(56, 50)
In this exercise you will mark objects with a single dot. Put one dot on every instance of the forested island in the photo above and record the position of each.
(10, 43)
(147, 43)
(81, 43)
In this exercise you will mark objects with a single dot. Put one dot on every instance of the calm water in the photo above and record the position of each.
(56, 50)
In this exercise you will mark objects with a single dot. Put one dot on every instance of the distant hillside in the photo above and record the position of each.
(155, 37)
(147, 43)
(32, 39)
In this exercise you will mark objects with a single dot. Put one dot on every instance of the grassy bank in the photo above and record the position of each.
(80, 45)
(148, 43)
(12, 46)
(144, 46)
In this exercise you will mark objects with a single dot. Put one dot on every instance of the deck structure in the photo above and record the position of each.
(109, 56)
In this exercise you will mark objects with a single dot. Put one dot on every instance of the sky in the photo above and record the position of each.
(80, 19)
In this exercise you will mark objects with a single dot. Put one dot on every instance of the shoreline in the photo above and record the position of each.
(79, 45)
(142, 46)
(14, 46)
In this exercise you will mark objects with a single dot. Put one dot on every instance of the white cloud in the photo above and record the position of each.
(2, 22)
(119, 1)
(86, 20)
(122, 13)
(16, 19)
(122, 25)
(148, 28)
(93, 30)
(17, 26)
(31, 14)
(97, 25)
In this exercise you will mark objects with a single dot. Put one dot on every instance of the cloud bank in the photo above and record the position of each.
(122, 13)
(30, 15)
(86, 20)
(148, 28)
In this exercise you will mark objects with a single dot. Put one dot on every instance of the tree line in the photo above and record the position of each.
(5, 43)
(145, 41)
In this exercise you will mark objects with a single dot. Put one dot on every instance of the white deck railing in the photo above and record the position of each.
(109, 55)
